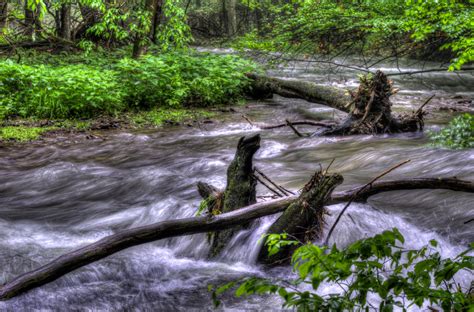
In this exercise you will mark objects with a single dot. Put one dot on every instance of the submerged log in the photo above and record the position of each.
(303, 219)
(369, 108)
(128, 238)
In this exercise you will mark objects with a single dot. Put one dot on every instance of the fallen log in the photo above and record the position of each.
(452, 184)
(133, 237)
(263, 87)
(369, 108)
(128, 238)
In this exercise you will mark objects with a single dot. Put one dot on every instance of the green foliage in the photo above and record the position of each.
(376, 26)
(451, 19)
(158, 117)
(22, 134)
(376, 265)
(175, 79)
(458, 134)
(57, 92)
(170, 81)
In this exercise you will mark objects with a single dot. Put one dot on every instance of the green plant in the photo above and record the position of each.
(58, 92)
(378, 265)
(22, 134)
(458, 134)
(176, 79)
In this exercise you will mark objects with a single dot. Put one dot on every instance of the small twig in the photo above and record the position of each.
(369, 105)
(294, 129)
(357, 193)
(418, 112)
(268, 186)
(248, 120)
(280, 188)
(330, 164)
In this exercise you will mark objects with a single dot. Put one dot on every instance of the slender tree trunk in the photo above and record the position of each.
(139, 45)
(65, 21)
(32, 21)
(29, 21)
(230, 17)
(157, 17)
(3, 13)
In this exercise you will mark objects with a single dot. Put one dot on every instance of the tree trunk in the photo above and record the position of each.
(303, 220)
(240, 190)
(90, 16)
(231, 18)
(29, 21)
(157, 17)
(65, 21)
(139, 44)
(3, 14)
(369, 108)
(112, 244)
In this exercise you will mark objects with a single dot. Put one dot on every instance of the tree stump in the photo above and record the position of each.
(303, 220)
(239, 192)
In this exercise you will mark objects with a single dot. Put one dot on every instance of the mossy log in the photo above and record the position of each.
(303, 219)
(240, 190)
(369, 108)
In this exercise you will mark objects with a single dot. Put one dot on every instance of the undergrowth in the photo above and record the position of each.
(57, 90)
(22, 134)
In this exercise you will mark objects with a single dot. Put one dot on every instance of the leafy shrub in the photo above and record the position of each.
(377, 265)
(458, 134)
(58, 92)
(169, 80)
(176, 79)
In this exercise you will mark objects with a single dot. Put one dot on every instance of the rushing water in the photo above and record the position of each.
(61, 196)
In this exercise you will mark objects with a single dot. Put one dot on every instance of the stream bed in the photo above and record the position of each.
(57, 197)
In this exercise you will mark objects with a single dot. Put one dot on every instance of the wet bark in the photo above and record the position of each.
(369, 108)
(240, 190)
(303, 219)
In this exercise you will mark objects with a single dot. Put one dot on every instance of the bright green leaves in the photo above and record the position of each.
(275, 242)
(57, 92)
(450, 21)
(169, 81)
(179, 78)
(458, 134)
(377, 265)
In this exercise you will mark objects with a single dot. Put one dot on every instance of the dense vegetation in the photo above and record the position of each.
(170, 80)
(378, 267)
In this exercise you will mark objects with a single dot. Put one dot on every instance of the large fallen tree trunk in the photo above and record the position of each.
(369, 108)
(161, 230)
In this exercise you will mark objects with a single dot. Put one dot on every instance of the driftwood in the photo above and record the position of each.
(112, 244)
(369, 109)
(303, 219)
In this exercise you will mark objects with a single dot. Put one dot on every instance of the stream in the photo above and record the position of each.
(57, 197)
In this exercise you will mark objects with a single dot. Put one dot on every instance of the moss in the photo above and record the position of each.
(22, 133)
(158, 117)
